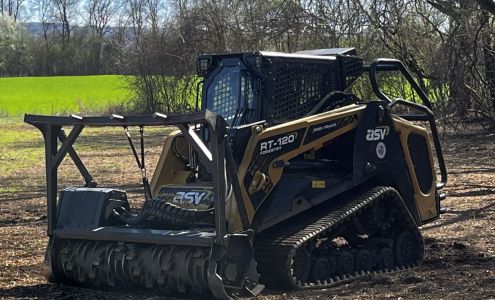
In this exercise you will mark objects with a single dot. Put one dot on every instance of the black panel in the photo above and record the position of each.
(294, 192)
(89, 207)
(284, 194)
(378, 154)
(418, 149)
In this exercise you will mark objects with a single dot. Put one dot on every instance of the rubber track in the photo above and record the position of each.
(276, 247)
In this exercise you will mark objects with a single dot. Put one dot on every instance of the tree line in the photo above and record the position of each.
(449, 45)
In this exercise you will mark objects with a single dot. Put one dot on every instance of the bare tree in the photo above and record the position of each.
(471, 52)
(46, 12)
(13, 8)
(100, 15)
(64, 12)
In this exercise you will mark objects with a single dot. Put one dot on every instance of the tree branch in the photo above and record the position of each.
(487, 5)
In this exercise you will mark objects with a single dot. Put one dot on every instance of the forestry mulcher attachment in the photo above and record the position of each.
(282, 177)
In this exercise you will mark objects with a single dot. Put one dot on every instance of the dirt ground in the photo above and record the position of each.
(460, 246)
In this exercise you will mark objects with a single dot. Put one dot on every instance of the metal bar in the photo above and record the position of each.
(415, 117)
(388, 64)
(194, 117)
(382, 68)
(133, 235)
(141, 138)
(131, 144)
(59, 156)
(413, 105)
(88, 179)
(197, 93)
(50, 136)
(374, 84)
(195, 141)
(219, 185)
(232, 174)
(146, 185)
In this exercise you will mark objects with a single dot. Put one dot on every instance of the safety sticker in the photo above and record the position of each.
(381, 150)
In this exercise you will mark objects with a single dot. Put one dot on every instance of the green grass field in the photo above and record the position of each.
(60, 94)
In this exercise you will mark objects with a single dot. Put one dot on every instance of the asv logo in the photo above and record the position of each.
(189, 197)
(377, 134)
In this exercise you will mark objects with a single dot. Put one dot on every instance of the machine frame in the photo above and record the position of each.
(215, 149)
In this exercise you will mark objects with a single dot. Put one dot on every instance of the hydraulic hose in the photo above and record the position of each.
(166, 212)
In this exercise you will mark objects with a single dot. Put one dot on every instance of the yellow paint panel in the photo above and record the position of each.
(170, 169)
(425, 201)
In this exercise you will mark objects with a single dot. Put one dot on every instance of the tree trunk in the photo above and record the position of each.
(489, 62)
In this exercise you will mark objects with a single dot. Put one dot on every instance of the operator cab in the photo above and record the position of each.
(245, 88)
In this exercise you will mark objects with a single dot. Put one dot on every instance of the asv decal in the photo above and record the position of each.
(377, 134)
(195, 198)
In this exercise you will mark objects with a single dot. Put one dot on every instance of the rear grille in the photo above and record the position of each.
(298, 88)
(352, 68)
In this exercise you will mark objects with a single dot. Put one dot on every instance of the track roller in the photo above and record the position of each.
(406, 249)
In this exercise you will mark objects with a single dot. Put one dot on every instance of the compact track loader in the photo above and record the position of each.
(282, 177)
